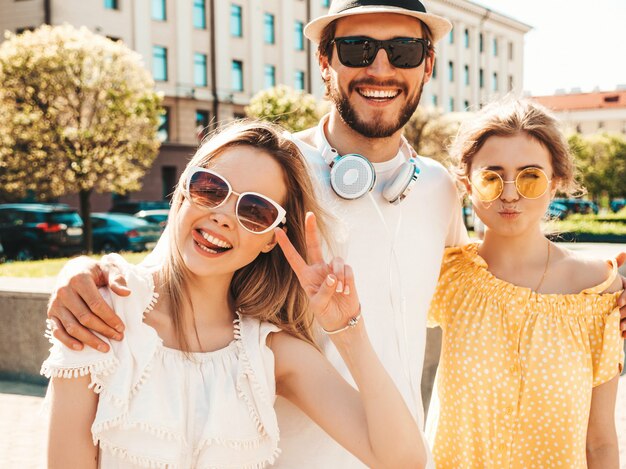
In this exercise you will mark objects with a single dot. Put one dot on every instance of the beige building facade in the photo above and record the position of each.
(209, 57)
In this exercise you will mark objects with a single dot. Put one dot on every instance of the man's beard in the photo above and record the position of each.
(375, 128)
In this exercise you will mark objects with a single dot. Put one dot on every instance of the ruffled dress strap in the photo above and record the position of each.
(256, 382)
(607, 283)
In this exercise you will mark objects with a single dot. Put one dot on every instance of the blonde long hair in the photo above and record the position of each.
(267, 288)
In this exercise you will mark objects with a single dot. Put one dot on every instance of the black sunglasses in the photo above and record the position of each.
(361, 51)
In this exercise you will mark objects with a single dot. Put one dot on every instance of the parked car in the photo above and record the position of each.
(33, 231)
(556, 211)
(617, 204)
(158, 216)
(578, 205)
(114, 232)
(135, 206)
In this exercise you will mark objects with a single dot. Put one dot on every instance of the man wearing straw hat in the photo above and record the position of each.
(400, 210)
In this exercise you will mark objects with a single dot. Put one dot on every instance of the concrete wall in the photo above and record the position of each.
(22, 344)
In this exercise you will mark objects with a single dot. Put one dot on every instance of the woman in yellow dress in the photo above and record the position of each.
(531, 349)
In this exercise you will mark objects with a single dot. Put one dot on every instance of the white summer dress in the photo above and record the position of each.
(160, 409)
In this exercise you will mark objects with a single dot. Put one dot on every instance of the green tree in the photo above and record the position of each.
(78, 113)
(601, 163)
(294, 110)
(431, 132)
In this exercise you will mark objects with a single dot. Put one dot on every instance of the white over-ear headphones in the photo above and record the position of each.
(352, 175)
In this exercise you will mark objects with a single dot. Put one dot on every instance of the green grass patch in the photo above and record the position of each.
(51, 267)
(591, 224)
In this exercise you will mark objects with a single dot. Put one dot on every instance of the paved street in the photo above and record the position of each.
(22, 422)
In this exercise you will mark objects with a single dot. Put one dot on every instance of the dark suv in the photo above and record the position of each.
(31, 231)
(578, 205)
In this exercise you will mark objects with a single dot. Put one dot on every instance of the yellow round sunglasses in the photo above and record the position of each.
(531, 183)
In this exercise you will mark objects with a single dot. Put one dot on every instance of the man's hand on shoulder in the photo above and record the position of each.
(76, 308)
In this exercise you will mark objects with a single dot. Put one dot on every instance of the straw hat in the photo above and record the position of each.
(438, 25)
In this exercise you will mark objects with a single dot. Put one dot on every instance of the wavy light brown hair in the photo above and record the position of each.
(267, 288)
(507, 118)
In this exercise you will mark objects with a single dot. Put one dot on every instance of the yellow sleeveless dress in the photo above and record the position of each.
(517, 368)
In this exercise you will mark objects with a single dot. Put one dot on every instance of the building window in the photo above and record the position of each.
(298, 38)
(199, 14)
(434, 100)
(451, 105)
(159, 10)
(466, 38)
(466, 74)
(237, 75)
(269, 72)
(511, 50)
(325, 3)
(298, 80)
(511, 82)
(199, 69)
(481, 42)
(236, 24)
(451, 71)
(111, 4)
(481, 78)
(435, 70)
(168, 181)
(159, 63)
(495, 81)
(268, 28)
(451, 36)
(495, 47)
(163, 133)
(202, 124)
(466, 105)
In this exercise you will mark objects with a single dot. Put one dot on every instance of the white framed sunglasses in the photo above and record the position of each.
(255, 212)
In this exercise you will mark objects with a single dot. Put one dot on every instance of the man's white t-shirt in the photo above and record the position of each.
(396, 269)
(395, 252)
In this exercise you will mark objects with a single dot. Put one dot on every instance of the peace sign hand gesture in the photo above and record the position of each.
(329, 286)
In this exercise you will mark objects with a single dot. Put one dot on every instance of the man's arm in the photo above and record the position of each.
(77, 308)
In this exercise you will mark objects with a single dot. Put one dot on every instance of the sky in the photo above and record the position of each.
(573, 43)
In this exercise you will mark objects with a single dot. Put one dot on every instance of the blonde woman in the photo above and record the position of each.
(531, 348)
(223, 326)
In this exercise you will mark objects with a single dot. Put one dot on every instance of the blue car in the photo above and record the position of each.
(618, 204)
(556, 211)
(113, 232)
(578, 205)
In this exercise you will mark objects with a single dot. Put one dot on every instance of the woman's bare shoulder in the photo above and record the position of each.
(585, 272)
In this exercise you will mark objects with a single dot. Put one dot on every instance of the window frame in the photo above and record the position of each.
(155, 57)
(239, 70)
(199, 14)
(202, 63)
(269, 28)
